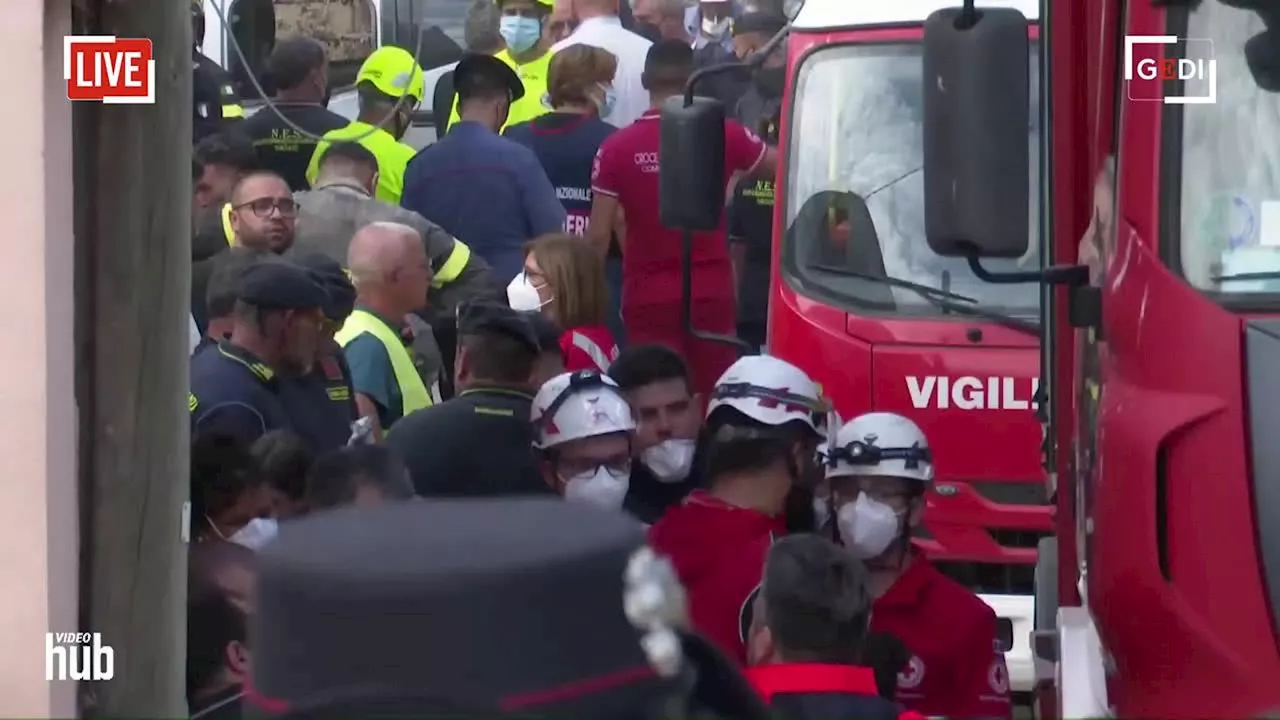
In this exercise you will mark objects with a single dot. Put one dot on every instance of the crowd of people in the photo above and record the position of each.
(445, 414)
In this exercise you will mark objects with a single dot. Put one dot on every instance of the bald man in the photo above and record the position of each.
(391, 272)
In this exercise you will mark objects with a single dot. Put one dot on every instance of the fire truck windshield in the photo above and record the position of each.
(856, 130)
(1227, 164)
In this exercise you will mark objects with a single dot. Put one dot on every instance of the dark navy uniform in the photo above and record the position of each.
(215, 102)
(495, 608)
(321, 402)
(486, 190)
(232, 391)
(479, 443)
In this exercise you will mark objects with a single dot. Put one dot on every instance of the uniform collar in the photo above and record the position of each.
(252, 363)
(498, 390)
(651, 114)
(599, 21)
(468, 126)
(806, 678)
(910, 585)
(372, 131)
(343, 186)
(396, 327)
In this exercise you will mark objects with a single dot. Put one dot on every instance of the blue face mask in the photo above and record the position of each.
(610, 98)
(521, 33)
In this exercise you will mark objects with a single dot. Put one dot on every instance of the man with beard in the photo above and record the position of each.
(764, 422)
(263, 213)
(235, 385)
(879, 469)
(668, 413)
(751, 210)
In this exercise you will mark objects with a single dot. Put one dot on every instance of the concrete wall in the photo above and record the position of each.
(38, 516)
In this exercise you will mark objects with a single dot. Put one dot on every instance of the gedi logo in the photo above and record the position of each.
(78, 656)
(1146, 69)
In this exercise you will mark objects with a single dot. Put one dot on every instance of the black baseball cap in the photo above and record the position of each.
(481, 316)
(479, 69)
(278, 284)
(334, 280)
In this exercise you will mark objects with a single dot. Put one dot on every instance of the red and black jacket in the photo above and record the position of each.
(805, 691)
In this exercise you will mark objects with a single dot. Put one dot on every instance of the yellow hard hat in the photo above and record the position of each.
(392, 71)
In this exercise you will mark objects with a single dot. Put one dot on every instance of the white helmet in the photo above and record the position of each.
(880, 444)
(770, 391)
(572, 406)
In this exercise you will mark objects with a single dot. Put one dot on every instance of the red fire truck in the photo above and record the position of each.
(1159, 597)
(860, 302)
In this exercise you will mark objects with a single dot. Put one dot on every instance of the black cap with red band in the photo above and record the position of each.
(465, 609)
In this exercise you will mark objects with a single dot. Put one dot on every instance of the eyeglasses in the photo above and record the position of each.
(262, 207)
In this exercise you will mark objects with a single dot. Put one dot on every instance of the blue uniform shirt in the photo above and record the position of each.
(566, 145)
(321, 404)
(234, 393)
(489, 192)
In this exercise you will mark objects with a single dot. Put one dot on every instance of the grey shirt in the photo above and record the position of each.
(331, 212)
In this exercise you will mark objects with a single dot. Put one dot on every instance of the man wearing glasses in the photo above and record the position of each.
(262, 214)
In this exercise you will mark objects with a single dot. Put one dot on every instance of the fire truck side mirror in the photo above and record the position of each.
(691, 182)
(976, 148)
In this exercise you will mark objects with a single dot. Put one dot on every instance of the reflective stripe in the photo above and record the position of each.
(457, 261)
(232, 111)
(413, 392)
(593, 351)
(227, 231)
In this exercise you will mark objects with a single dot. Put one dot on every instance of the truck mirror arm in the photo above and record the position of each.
(1069, 275)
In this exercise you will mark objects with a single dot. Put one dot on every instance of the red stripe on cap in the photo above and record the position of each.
(273, 706)
(576, 689)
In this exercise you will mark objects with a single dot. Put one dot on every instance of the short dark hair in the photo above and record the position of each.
(224, 279)
(547, 332)
(815, 600)
(293, 59)
(284, 459)
(736, 443)
(222, 470)
(213, 623)
(349, 153)
(229, 149)
(498, 357)
(668, 65)
(641, 365)
(250, 176)
(338, 475)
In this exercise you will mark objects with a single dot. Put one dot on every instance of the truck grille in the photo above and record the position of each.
(984, 534)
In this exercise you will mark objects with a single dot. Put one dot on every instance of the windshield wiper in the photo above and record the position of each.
(1269, 275)
(942, 299)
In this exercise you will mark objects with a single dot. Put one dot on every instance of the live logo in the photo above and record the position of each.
(108, 69)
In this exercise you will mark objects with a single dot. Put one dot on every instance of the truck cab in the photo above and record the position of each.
(860, 302)
(1159, 595)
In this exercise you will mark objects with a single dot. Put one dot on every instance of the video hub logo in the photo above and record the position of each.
(1146, 69)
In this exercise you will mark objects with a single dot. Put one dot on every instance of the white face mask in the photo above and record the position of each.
(715, 28)
(256, 533)
(522, 294)
(867, 527)
(600, 487)
(670, 460)
(821, 512)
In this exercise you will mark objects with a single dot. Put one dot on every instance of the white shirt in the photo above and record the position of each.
(193, 333)
(631, 49)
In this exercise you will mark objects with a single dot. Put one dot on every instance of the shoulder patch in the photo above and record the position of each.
(192, 403)
(911, 676)
(998, 678)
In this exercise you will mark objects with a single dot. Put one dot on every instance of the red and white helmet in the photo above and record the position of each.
(573, 406)
(880, 444)
(770, 391)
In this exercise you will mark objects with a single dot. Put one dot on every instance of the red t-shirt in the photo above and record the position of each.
(626, 167)
(590, 347)
(718, 551)
(955, 670)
